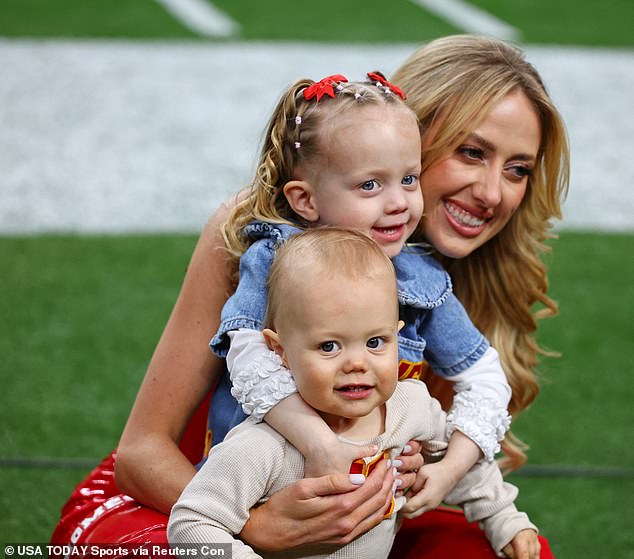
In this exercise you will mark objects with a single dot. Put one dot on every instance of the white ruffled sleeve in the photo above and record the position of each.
(480, 404)
(259, 378)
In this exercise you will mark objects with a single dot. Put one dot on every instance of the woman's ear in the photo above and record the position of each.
(299, 195)
(272, 340)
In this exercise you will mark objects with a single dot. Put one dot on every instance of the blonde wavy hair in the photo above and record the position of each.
(457, 80)
(291, 142)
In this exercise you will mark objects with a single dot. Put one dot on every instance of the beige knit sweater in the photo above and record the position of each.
(255, 461)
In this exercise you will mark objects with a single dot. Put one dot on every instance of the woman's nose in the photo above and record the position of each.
(487, 189)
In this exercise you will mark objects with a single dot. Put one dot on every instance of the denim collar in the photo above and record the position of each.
(421, 281)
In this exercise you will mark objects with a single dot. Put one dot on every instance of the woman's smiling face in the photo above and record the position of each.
(471, 194)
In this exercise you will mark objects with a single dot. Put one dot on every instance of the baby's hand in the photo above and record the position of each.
(433, 482)
(525, 545)
(336, 458)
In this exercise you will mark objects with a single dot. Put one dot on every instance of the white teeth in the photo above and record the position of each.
(464, 217)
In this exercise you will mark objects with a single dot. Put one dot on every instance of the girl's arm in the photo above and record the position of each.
(476, 424)
(149, 466)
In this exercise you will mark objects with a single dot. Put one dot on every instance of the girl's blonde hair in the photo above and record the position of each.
(293, 140)
(457, 80)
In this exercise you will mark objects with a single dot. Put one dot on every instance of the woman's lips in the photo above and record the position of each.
(465, 222)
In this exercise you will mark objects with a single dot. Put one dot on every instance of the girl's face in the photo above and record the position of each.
(368, 178)
(472, 193)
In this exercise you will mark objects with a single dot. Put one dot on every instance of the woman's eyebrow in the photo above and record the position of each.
(489, 146)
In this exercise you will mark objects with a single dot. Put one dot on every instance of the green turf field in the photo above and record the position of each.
(83, 314)
(567, 22)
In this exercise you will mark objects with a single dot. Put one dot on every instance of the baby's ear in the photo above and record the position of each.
(272, 340)
(299, 195)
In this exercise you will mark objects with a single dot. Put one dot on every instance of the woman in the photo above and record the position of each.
(495, 169)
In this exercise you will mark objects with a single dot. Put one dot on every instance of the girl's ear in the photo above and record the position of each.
(272, 340)
(299, 195)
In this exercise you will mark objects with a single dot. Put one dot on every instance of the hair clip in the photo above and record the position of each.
(381, 81)
(298, 120)
(324, 87)
(298, 145)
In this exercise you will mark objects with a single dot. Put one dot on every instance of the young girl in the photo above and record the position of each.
(343, 353)
(348, 154)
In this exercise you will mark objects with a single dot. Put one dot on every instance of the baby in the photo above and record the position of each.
(333, 320)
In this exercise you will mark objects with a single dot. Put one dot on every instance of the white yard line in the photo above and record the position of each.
(116, 136)
(201, 17)
(469, 18)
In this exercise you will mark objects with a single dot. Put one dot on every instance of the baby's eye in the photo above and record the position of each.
(409, 180)
(369, 186)
(376, 343)
(329, 347)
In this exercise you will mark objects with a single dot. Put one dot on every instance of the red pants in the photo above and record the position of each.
(97, 513)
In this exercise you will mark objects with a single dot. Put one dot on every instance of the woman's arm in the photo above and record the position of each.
(149, 466)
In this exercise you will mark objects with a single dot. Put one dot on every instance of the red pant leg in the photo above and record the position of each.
(98, 513)
(445, 533)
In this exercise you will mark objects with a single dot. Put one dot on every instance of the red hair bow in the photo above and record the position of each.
(323, 87)
(376, 77)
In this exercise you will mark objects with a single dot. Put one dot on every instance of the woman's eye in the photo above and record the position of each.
(520, 171)
(329, 347)
(369, 186)
(376, 343)
(471, 152)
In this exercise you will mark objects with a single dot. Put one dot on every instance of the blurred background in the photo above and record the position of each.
(124, 124)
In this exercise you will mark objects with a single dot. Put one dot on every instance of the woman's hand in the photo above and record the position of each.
(525, 545)
(329, 509)
(407, 464)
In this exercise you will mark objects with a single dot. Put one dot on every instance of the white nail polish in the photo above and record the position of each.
(397, 463)
(357, 479)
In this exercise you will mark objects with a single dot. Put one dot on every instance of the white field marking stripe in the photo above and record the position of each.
(470, 18)
(201, 17)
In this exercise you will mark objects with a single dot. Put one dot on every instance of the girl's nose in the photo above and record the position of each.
(396, 201)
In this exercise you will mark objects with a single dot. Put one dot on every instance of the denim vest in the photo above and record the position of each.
(435, 321)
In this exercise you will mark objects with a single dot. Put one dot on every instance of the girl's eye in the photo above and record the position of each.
(409, 180)
(329, 347)
(375, 343)
(369, 186)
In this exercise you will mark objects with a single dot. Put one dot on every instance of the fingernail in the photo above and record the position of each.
(398, 482)
(397, 463)
(357, 479)
(389, 462)
(407, 448)
(394, 486)
(395, 471)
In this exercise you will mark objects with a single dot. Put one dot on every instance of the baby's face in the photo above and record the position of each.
(341, 344)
